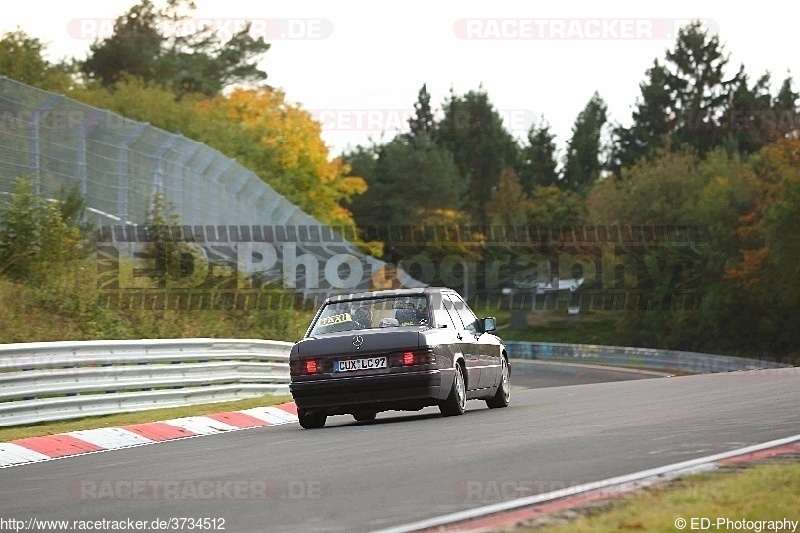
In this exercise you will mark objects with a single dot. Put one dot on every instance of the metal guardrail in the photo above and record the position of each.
(643, 358)
(48, 381)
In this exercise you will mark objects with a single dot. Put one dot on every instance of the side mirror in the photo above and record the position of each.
(489, 324)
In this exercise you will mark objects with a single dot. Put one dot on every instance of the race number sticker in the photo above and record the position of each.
(335, 319)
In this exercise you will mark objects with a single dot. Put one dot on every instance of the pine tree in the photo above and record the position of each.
(423, 116)
(538, 158)
(472, 130)
(582, 165)
(684, 97)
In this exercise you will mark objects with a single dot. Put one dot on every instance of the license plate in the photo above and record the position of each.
(365, 363)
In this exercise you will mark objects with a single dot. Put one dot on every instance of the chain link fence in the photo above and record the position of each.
(120, 166)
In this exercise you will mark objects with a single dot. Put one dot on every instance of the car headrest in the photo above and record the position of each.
(406, 317)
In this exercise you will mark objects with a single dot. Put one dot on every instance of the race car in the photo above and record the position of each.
(396, 350)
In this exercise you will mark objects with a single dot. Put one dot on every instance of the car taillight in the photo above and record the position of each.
(311, 366)
(412, 358)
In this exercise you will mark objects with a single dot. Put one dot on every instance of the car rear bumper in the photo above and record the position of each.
(406, 391)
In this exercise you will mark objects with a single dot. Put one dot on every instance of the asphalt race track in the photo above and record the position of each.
(406, 467)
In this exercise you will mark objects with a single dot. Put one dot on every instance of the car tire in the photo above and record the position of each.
(311, 420)
(364, 417)
(503, 395)
(456, 402)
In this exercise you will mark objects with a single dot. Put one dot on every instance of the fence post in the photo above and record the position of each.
(33, 138)
(215, 210)
(122, 171)
(158, 175)
(180, 177)
(201, 169)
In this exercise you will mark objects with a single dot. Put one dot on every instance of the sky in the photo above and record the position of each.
(358, 65)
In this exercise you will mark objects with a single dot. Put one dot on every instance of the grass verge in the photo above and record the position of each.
(586, 328)
(138, 417)
(764, 492)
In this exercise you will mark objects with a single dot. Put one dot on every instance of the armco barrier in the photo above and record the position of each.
(47, 381)
(644, 358)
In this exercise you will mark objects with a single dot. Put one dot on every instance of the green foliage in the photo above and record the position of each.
(649, 192)
(703, 148)
(651, 122)
(685, 97)
(414, 181)
(472, 130)
(582, 165)
(553, 206)
(154, 45)
(34, 238)
(279, 141)
(508, 203)
(422, 121)
(538, 158)
(21, 59)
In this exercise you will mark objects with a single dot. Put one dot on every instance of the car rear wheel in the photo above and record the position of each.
(456, 402)
(364, 417)
(503, 395)
(311, 420)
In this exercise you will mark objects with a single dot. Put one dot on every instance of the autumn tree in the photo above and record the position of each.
(508, 203)
(653, 191)
(292, 152)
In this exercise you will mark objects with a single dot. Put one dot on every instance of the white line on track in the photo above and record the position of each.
(668, 471)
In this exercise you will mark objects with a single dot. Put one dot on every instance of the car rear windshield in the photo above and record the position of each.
(372, 313)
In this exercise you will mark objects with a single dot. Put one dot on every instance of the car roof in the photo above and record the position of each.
(386, 294)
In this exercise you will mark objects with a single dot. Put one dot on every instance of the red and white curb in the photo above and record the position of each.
(36, 449)
(495, 516)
